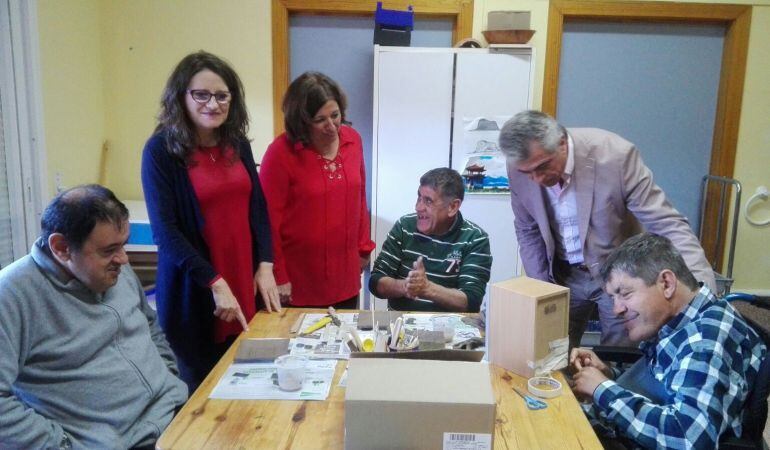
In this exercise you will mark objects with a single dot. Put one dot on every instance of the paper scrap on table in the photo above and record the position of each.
(259, 381)
(463, 331)
(325, 343)
(317, 348)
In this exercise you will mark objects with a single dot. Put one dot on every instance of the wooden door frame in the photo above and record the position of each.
(737, 21)
(460, 11)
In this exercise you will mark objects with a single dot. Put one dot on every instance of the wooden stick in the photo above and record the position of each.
(298, 323)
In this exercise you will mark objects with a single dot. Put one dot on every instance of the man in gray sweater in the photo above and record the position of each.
(83, 362)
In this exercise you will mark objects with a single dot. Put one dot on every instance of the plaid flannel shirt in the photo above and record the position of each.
(707, 358)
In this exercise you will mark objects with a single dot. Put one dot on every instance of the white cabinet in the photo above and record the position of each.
(422, 97)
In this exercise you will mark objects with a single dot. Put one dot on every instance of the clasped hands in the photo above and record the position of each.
(590, 372)
(416, 283)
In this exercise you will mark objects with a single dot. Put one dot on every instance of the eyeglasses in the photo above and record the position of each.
(203, 96)
(540, 167)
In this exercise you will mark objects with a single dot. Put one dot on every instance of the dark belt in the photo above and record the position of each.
(577, 266)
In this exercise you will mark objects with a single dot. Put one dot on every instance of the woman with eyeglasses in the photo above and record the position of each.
(207, 213)
(315, 184)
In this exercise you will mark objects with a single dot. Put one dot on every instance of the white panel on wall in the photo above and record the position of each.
(491, 85)
(412, 117)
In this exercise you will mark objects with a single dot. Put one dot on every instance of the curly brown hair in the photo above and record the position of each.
(173, 121)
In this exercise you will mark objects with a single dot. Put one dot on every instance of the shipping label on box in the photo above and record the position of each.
(467, 441)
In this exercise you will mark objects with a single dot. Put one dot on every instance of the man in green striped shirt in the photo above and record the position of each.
(433, 259)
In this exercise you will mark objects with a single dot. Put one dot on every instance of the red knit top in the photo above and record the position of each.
(223, 189)
(319, 219)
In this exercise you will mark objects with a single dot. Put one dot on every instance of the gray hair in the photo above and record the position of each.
(525, 127)
(447, 182)
(645, 256)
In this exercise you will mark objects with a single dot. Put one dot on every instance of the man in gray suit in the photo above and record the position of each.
(576, 195)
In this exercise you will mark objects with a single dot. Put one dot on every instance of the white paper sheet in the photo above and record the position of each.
(329, 342)
(463, 331)
(258, 381)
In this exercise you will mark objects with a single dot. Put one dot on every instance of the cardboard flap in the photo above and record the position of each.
(264, 349)
(435, 355)
(384, 318)
(423, 381)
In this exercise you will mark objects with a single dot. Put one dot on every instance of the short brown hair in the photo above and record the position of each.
(305, 96)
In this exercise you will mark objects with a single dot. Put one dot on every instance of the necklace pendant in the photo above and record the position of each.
(211, 155)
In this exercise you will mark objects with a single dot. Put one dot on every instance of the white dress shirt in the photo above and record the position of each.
(562, 213)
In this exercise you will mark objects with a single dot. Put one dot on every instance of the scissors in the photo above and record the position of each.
(532, 403)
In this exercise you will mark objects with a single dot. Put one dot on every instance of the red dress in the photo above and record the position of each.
(223, 190)
(319, 219)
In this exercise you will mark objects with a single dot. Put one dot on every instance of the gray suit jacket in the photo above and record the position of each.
(616, 199)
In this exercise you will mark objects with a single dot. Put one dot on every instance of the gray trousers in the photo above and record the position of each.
(587, 293)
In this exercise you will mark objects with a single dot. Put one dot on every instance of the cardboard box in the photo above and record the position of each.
(508, 20)
(447, 354)
(383, 318)
(523, 316)
(408, 404)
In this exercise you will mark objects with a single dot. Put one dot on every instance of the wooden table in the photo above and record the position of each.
(249, 424)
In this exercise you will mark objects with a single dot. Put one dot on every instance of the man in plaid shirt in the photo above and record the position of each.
(700, 357)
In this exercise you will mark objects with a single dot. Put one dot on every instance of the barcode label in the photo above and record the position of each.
(462, 437)
(467, 441)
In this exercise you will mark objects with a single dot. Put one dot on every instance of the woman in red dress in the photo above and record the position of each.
(315, 185)
(207, 213)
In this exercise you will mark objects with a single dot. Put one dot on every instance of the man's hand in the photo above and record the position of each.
(284, 293)
(265, 283)
(417, 283)
(581, 358)
(227, 307)
(586, 380)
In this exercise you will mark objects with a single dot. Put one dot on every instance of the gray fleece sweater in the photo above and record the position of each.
(94, 366)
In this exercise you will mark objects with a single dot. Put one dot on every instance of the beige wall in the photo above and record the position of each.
(752, 164)
(144, 39)
(114, 56)
(120, 53)
(73, 90)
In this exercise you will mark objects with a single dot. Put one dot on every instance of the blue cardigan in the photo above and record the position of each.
(184, 300)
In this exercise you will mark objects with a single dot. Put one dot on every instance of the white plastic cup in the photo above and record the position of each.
(381, 341)
(445, 325)
(291, 372)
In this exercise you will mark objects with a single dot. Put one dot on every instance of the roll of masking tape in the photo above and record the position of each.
(544, 387)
